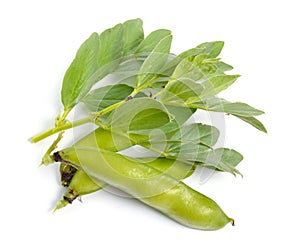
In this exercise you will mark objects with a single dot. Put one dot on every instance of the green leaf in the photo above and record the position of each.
(81, 69)
(105, 96)
(185, 142)
(127, 72)
(191, 52)
(186, 90)
(148, 119)
(212, 49)
(133, 35)
(152, 40)
(159, 135)
(111, 45)
(216, 84)
(181, 91)
(184, 152)
(236, 108)
(189, 68)
(154, 63)
(206, 50)
(203, 51)
(180, 114)
(219, 159)
(222, 66)
(98, 57)
(176, 60)
(110, 54)
(197, 133)
(159, 84)
(139, 114)
(254, 122)
(191, 139)
(222, 159)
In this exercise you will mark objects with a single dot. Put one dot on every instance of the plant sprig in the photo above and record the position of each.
(178, 85)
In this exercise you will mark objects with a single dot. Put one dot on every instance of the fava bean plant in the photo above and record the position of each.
(149, 101)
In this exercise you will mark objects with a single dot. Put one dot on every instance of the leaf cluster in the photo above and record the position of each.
(153, 92)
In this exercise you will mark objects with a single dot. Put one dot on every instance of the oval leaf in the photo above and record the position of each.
(254, 122)
(152, 40)
(105, 96)
(181, 91)
(139, 114)
(212, 49)
(154, 63)
(81, 69)
(133, 35)
(222, 159)
(236, 108)
(111, 45)
(217, 84)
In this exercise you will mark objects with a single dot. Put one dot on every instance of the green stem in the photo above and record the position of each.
(79, 122)
(70, 125)
(54, 130)
(62, 127)
(180, 104)
(108, 109)
(147, 84)
(157, 94)
(116, 105)
(65, 114)
(47, 158)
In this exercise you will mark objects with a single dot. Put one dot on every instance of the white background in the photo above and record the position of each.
(38, 41)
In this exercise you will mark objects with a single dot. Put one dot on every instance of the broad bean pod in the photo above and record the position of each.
(80, 184)
(154, 188)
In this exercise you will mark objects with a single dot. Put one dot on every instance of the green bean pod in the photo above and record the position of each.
(108, 140)
(102, 138)
(158, 190)
(81, 184)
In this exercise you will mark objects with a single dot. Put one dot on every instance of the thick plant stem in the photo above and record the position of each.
(108, 109)
(55, 130)
(95, 116)
(70, 125)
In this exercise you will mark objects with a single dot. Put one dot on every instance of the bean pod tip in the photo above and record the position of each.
(232, 222)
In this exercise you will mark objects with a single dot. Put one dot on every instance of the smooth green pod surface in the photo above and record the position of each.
(108, 140)
(158, 190)
(103, 139)
(80, 184)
